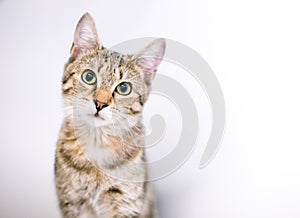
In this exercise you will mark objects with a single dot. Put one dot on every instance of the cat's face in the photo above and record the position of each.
(106, 90)
(102, 88)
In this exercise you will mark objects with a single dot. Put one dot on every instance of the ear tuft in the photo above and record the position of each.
(150, 57)
(85, 36)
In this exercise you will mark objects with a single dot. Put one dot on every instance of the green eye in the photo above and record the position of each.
(89, 77)
(124, 88)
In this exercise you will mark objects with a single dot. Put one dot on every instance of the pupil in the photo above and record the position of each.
(89, 77)
(123, 87)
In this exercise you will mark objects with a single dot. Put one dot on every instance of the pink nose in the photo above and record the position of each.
(100, 105)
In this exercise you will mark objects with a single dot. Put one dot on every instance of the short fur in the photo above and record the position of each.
(100, 165)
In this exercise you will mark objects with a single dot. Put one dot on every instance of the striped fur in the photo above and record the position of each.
(100, 165)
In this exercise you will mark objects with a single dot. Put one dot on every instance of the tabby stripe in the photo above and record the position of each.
(68, 77)
(114, 190)
(67, 90)
(141, 100)
(134, 153)
(133, 111)
(121, 74)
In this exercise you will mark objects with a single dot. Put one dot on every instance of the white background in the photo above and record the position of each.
(253, 48)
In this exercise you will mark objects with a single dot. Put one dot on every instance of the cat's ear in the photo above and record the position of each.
(149, 58)
(85, 37)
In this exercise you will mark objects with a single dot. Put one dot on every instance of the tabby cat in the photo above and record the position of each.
(100, 168)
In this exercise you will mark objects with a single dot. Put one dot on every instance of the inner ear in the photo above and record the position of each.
(149, 58)
(85, 37)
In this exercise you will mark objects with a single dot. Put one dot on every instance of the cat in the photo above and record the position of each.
(100, 164)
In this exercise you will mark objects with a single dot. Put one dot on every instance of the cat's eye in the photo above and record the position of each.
(89, 77)
(124, 88)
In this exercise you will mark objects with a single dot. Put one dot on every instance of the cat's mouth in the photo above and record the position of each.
(97, 115)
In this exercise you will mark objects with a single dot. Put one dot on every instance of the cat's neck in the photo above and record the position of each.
(106, 146)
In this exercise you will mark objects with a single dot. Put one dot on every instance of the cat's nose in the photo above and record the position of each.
(100, 105)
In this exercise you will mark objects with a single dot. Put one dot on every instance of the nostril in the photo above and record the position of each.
(100, 105)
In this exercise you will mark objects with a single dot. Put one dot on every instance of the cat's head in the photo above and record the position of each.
(104, 88)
